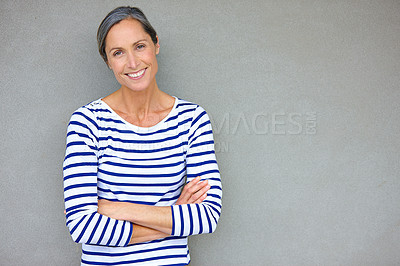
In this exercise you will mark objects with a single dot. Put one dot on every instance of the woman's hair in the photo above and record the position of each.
(116, 16)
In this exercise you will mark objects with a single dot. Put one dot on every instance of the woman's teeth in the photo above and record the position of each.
(137, 74)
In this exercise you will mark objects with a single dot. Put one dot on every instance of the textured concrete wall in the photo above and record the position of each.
(304, 98)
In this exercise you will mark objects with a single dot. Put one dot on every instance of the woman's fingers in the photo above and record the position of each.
(200, 194)
(200, 200)
(192, 184)
(193, 192)
(106, 207)
(188, 191)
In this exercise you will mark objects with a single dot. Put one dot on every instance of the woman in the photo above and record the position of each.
(140, 173)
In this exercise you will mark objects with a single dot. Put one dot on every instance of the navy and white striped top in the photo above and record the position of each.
(109, 158)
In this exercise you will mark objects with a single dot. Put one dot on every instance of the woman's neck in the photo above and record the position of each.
(139, 102)
(142, 108)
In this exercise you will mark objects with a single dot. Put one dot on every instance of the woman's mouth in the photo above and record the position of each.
(137, 75)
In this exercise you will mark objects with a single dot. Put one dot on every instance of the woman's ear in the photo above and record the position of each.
(157, 45)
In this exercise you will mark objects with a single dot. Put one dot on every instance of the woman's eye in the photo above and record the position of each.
(117, 53)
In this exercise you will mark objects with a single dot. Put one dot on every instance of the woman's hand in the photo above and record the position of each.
(112, 209)
(193, 192)
(155, 217)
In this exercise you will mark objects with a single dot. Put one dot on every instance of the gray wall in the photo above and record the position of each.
(304, 98)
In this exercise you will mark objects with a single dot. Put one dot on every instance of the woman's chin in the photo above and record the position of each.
(138, 87)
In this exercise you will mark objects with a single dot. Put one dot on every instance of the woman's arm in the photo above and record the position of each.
(85, 224)
(144, 234)
(191, 219)
(198, 209)
(158, 218)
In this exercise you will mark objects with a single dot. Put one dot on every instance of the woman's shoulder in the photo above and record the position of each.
(188, 105)
(92, 109)
(94, 106)
(192, 110)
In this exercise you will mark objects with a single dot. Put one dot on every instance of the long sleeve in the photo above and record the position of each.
(192, 219)
(80, 186)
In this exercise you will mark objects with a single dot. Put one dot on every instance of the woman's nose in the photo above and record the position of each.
(133, 61)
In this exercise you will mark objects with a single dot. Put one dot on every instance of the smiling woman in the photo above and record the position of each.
(140, 173)
(131, 55)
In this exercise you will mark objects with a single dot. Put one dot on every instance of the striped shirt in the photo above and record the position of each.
(109, 158)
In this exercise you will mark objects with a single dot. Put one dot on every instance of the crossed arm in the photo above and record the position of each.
(120, 223)
(152, 222)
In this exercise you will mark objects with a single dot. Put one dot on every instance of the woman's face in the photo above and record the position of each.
(131, 55)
